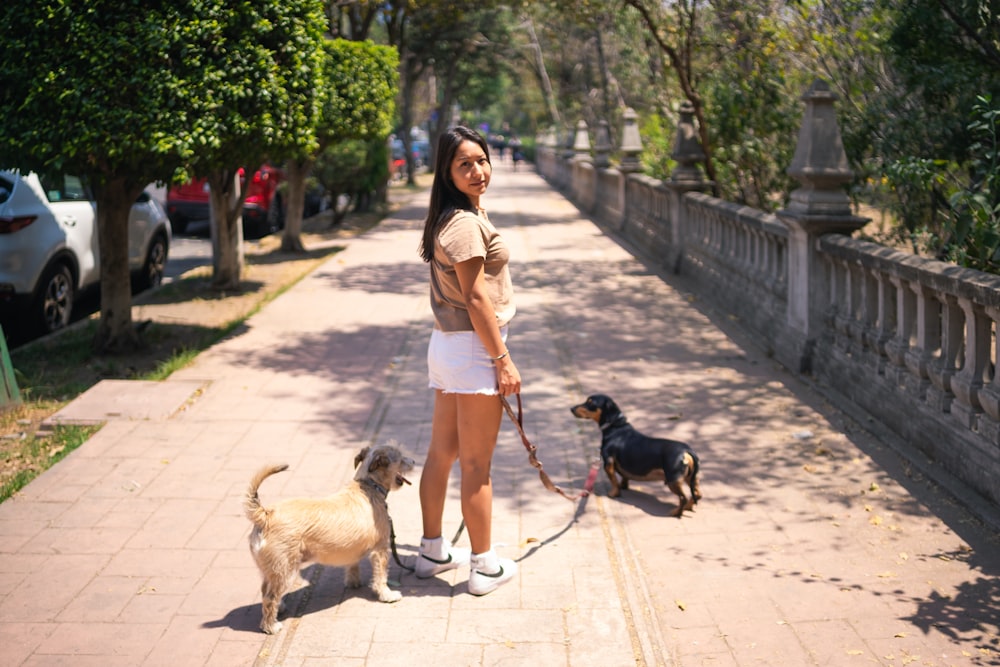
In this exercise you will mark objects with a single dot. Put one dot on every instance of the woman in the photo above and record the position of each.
(468, 361)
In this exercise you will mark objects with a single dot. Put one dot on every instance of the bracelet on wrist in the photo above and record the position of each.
(505, 353)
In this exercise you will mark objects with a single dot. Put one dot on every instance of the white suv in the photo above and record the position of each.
(49, 249)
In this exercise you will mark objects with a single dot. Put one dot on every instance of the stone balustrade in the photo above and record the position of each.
(906, 341)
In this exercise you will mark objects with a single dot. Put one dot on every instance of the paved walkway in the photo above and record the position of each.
(813, 545)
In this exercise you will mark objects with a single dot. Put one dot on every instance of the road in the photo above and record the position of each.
(187, 251)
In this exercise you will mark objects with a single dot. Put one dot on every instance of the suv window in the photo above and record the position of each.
(65, 188)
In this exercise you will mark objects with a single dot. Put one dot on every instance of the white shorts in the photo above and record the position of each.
(458, 363)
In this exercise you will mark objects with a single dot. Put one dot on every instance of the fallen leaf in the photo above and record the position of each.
(900, 635)
(855, 652)
(680, 605)
(875, 520)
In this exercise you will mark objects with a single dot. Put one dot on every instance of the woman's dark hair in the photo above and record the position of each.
(445, 197)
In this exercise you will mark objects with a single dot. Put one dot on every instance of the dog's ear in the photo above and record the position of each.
(380, 460)
(360, 457)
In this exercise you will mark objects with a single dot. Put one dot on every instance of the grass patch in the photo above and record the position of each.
(38, 454)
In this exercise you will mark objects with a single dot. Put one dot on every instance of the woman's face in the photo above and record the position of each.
(471, 170)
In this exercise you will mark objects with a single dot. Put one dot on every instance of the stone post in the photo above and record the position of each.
(581, 142)
(602, 146)
(686, 177)
(687, 150)
(819, 207)
(631, 146)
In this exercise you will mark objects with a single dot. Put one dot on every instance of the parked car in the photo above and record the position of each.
(263, 208)
(49, 248)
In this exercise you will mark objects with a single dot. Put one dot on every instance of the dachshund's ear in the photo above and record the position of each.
(360, 457)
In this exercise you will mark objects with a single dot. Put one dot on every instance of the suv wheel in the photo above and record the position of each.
(155, 264)
(53, 304)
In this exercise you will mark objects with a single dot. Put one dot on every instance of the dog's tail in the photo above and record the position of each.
(251, 504)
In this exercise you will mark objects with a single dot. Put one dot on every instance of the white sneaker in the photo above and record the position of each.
(437, 556)
(489, 572)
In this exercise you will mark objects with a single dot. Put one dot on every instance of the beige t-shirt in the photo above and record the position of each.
(465, 236)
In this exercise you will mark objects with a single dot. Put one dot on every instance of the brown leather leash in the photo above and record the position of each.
(518, 420)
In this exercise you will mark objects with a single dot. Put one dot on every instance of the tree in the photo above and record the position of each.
(254, 70)
(95, 97)
(355, 102)
(125, 94)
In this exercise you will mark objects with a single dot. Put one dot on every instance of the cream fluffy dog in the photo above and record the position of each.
(338, 530)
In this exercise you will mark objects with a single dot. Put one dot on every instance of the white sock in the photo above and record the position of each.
(434, 548)
(486, 562)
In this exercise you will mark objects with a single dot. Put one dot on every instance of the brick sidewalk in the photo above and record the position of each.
(814, 545)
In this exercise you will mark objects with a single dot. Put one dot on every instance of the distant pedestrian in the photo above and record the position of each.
(515, 151)
(468, 360)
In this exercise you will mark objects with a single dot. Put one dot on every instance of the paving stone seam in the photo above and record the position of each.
(637, 603)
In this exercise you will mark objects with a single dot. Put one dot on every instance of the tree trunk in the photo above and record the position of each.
(226, 206)
(408, 81)
(543, 76)
(297, 172)
(115, 332)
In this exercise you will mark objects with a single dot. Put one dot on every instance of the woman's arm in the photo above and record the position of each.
(472, 280)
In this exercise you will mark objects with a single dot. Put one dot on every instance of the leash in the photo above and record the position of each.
(518, 420)
(395, 554)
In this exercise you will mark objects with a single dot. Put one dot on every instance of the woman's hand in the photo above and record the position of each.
(508, 378)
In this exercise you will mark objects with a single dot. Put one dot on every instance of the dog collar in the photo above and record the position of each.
(378, 487)
(617, 422)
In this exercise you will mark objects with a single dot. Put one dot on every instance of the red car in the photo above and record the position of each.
(263, 209)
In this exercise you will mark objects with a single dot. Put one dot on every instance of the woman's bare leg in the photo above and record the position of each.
(478, 423)
(441, 455)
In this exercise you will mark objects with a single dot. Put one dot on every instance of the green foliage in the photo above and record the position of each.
(108, 87)
(246, 80)
(357, 108)
(658, 134)
(352, 168)
(974, 211)
(913, 183)
(360, 86)
(83, 88)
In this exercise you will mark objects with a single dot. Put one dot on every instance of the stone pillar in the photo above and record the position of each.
(602, 146)
(687, 150)
(819, 207)
(581, 142)
(686, 177)
(631, 146)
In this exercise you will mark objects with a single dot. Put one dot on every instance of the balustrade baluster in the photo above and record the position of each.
(942, 369)
(968, 381)
(899, 344)
(928, 341)
(989, 395)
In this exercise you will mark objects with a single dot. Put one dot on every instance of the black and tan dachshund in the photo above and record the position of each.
(633, 455)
